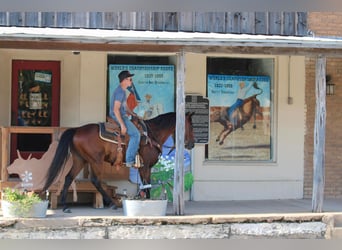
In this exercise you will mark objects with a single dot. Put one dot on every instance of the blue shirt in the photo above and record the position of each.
(118, 95)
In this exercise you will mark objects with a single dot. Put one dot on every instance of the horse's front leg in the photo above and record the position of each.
(225, 128)
(224, 135)
(96, 167)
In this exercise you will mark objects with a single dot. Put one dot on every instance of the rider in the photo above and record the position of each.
(239, 101)
(120, 112)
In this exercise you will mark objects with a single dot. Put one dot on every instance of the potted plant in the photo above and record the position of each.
(162, 176)
(17, 203)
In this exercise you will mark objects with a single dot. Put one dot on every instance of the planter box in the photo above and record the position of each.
(11, 209)
(144, 207)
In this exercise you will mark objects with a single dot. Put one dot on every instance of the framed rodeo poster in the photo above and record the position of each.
(153, 89)
(240, 118)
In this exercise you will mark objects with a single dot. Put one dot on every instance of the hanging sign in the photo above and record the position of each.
(200, 120)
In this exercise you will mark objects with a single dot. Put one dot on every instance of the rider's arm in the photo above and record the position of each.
(117, 105)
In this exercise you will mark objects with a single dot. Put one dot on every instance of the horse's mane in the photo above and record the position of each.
(166, 120)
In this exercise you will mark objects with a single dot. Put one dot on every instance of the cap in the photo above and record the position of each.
(124, 74)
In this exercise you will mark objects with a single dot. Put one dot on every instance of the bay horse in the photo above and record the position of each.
(240, 116)
(84, 145)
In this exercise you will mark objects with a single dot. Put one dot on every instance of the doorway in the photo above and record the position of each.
(35, 103)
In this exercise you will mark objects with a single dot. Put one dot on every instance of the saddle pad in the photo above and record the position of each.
(107, 133)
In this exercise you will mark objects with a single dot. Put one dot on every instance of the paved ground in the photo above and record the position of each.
(217, 208)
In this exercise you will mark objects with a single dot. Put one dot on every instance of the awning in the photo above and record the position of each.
(165, 38)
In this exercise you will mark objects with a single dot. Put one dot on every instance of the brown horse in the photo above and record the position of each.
(85, 146)
(250, 108)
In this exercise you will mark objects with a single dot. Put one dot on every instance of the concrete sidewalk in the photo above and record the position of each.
(216, 208)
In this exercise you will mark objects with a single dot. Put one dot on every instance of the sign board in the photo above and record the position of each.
(200, 119)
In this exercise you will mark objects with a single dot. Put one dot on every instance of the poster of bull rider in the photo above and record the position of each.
(240, 118)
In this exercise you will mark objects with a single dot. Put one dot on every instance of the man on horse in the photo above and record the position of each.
(242, 92)
(120, 112)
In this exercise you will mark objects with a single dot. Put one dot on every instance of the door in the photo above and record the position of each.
(35, 102)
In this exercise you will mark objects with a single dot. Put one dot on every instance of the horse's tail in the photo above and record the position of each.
(60, 157)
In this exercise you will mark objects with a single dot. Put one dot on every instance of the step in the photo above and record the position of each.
(336, 233)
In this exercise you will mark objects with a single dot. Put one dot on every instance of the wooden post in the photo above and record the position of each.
(178, 188)
(319, 137)
(4, 153)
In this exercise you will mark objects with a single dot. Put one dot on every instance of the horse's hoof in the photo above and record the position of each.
(221, 142)
(217, 139)
(254, 126)
(67, 210)
(113, 206)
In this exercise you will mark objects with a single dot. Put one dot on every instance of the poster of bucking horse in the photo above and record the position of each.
(240, 118)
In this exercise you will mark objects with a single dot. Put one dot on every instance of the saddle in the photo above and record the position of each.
(110, 131)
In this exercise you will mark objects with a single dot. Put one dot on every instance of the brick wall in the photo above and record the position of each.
(325, 24)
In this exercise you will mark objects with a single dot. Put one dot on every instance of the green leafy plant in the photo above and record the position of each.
(22, 201)
(162, 176)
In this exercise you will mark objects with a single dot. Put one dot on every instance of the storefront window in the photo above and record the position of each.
(241, 103)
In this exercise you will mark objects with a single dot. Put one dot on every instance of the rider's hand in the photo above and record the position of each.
(123, 129)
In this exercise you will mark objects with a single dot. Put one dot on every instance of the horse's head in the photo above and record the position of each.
(189, 139)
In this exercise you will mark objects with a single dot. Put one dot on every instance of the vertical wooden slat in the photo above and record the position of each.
(178, 188)
(80, 20)
(110, 20)
(64, 20)
(247, 23)
(217, 22)
(31, 19)
(171, 21)
(125, 20)
(95, 20)
(16, 19)
(261, 22)
(200, 22)
(233, 22)
(142, 20)
(289, 24)
(302, 27)
(275, 23)
(319, 137)
(185, 22)
(3, 18)
(158, 21)
(48, 19)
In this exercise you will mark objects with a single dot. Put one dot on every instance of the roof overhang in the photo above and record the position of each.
(189, 39)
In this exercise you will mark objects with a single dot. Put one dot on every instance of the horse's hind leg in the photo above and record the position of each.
(77, 166)
(67, 183)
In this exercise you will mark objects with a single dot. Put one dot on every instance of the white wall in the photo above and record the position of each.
(83, 100)
(242, 181)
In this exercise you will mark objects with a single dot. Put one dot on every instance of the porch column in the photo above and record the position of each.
(178, 188)
(319, 137)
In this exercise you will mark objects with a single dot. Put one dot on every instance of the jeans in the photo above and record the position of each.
(134, 139)
(134, 176)
(238, 103)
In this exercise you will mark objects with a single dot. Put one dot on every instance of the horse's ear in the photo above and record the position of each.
(19, 155)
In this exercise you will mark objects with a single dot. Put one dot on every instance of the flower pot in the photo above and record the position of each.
(144, 207)
(13, 209)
